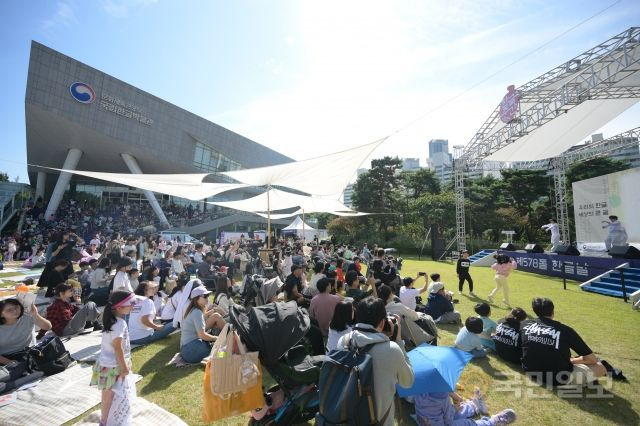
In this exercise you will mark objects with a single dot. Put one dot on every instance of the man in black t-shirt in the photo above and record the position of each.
(293, 285)
(546, 350)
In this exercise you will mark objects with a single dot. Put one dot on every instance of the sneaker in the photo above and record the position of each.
(504, 417)
(490, 298)
(506, 303)
(472, 294)
(478, 401)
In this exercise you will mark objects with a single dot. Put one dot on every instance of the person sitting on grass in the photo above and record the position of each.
(142, 328)
(323, 305)
(341, 323)
(488, 325)
(293, 286)
(439, 305)
(438, 409)
(68, 319)
(408, 292)
(468, 338)
(354, 291)
(546, 350)
(417, 327)
(222, 299)
(508, 344)
(195, 341)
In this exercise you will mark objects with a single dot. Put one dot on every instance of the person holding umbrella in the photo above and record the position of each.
(436, 370)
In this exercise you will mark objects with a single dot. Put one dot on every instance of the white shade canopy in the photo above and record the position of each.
(277, 216)
(187, 185)
(280, 200)
(311, 175)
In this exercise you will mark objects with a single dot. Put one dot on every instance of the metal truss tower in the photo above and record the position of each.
(599, 73)
(458, 176)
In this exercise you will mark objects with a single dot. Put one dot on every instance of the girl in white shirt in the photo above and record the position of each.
(115, 351)
(121, 280)
(143, 329)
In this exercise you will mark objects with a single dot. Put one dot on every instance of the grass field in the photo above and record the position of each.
(608, 325)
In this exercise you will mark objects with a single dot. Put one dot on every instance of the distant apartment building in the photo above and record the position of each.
(410, 164)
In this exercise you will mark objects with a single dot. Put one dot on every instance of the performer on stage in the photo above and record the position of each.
(555, 233)
(617, 234)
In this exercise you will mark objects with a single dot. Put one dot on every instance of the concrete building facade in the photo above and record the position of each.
(78, 117)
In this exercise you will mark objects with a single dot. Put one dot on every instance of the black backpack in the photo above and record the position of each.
(346, 388)
(49, 356)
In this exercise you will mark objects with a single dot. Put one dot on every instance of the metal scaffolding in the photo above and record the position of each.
(600, 73)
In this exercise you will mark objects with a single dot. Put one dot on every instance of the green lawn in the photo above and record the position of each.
(608, 325)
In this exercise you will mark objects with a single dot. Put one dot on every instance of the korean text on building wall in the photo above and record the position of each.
(124, 109)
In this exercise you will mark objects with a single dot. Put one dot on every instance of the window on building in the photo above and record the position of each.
(209, 160)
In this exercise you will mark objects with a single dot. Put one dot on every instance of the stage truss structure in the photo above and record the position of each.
(598, 73)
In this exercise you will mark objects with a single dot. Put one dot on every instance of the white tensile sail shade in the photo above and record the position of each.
(277, 216)
(187, 185)
(280, 200)
(311, 176)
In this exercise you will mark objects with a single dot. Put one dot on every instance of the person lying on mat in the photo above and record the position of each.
(142, 329)
(195, 342)
(67, 318)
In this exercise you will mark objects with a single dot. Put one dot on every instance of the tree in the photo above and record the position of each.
(4, 177)
(525, 190)
(594, 168)
(421, 182)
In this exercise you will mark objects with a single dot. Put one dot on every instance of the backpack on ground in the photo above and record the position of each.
(346, 388)
(49, 356)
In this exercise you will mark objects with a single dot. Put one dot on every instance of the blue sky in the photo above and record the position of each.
(309, 77)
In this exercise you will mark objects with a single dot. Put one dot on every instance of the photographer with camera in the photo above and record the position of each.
(408, 293)
(354, 291)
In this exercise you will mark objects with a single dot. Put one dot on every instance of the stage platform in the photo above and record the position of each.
(598, 272)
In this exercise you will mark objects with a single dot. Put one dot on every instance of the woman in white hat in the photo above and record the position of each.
(195, 342)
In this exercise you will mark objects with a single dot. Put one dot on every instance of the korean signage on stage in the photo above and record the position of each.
(597, 198)
(575, 268)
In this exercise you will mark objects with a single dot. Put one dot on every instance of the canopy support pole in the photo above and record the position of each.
(268, 218)
(304, 234)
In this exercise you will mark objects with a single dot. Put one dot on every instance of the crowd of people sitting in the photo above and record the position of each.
(141, 289)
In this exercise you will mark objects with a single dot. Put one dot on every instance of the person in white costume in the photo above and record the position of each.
(617, 234)
(552, 227)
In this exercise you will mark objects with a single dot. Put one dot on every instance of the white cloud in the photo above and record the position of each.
(121, 8)
(63, 16)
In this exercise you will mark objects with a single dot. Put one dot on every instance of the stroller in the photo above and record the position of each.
(276, 330)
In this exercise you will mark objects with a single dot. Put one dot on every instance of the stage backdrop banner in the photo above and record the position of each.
(597, 198)
(577, 268)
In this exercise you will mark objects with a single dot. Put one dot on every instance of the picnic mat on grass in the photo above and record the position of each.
(54, 401)
(145, 413)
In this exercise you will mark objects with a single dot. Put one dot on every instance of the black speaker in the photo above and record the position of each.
(533, 248)
(624, 252)
(507, 247)
(567, 250)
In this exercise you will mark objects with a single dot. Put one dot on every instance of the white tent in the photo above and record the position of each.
(187, 185)
(311, 175)
(301, 229)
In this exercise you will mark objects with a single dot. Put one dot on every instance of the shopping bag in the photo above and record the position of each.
(233, 369)
(124, 393)
(216, 408)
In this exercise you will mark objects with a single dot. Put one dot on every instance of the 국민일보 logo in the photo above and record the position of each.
(82, 92)
(509, 105)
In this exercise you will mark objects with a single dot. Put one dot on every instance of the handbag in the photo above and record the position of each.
(215, 408)
(233, 369)
(49, 356)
